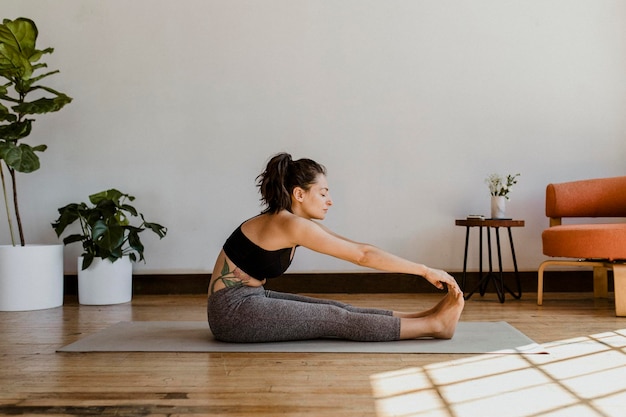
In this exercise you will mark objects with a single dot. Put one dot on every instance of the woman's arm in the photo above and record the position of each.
(319, 238)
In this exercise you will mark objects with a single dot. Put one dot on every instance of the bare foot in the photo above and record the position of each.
(440, 324)
(433, 310)
(448, 315)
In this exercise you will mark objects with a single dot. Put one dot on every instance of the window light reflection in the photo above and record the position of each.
(581, 377)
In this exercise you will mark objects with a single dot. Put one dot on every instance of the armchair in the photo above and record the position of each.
(598, 245)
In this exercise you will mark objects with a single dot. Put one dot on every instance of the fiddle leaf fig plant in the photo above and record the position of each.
(19, 65)
(106, 229)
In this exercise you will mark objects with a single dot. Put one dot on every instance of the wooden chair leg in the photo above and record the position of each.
(600, 282)
(619, 278)
(540, 282)
(600, 279)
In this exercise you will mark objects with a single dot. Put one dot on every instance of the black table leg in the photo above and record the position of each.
(499, 282)
(463, 282)
(519, 284)
(483, 280)
(480, 254)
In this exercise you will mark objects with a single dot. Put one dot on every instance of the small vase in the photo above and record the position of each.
(498, 207)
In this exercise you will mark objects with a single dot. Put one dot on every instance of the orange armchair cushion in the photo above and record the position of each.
(586, 241)
(601, 197)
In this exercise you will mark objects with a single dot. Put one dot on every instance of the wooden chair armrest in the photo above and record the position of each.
(555, 221)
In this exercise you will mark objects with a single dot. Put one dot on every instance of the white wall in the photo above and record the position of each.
(410, 105)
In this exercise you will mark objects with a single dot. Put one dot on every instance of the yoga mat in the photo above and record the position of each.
(195, 336)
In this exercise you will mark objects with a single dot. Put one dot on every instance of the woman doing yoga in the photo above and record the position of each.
(296, 196)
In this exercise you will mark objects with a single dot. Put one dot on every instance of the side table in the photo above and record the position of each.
(498, 280)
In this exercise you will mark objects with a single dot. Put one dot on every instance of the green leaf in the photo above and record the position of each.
(72, 239)
(98, 229)
(13, 64)
(67, 215)
(43, 105)
(115, 254)
(16, 130)
(156, 228)
(20, 34)
(87, 260)
(129, 209)
(109, 238)
(17, 48)
(22, 158)
(121, 218)
(6, 115)
(111, 194)
(135, 243)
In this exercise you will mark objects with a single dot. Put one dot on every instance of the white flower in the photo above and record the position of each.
(498, 186)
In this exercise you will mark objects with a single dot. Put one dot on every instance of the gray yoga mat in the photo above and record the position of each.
(195, 336)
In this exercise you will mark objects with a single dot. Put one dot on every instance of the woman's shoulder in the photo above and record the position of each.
(263, 219)
(286, 218)
(277, 230)
(284, 221)
(273, 222)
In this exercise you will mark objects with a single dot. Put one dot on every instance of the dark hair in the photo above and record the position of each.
(281, 176)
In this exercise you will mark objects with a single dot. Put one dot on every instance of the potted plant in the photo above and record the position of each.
(110, 242)
(499, 188)
(31, 276)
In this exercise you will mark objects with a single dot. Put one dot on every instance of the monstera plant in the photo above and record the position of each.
(21, 98)
(106, 231)
(110, 235)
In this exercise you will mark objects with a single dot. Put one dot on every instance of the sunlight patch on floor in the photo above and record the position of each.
(584, 376)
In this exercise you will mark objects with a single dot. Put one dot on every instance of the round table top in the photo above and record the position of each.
(489, 223)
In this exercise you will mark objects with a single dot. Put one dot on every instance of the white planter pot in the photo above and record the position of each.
(105, 282)
(31, 277)
(498, 207)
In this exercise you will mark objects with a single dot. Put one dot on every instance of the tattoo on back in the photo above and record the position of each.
(231, 279)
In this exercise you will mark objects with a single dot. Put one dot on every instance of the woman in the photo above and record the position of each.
(296, 194)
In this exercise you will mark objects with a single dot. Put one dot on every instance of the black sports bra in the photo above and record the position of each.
(254, 260)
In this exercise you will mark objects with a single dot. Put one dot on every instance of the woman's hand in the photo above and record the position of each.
(441, 279)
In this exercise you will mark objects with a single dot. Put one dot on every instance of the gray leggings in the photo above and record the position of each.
(252, 314)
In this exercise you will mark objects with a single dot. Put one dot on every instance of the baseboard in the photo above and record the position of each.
(354, 283)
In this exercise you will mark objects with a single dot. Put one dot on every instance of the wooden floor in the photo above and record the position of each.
(34, 380)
